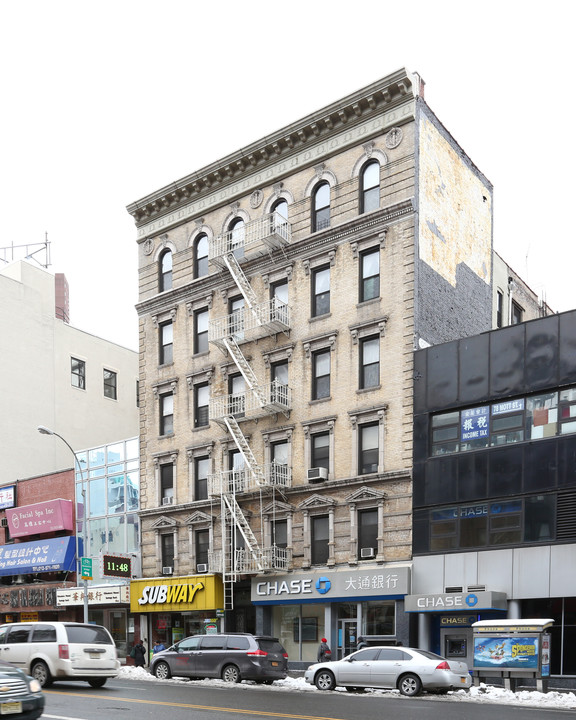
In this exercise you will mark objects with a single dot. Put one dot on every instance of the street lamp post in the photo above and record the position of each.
(47, 431)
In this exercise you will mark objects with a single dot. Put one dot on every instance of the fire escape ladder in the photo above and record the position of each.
(241, 280)
(244, 366)
(244, 448)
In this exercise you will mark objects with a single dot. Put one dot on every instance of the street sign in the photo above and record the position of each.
(86, 568)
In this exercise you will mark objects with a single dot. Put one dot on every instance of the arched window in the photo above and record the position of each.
(321, 207)
(165, 278)
(201, 256)
(279, 216)
(237, 233)
(370, 187)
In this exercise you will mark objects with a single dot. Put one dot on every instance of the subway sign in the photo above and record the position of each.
(177, 594)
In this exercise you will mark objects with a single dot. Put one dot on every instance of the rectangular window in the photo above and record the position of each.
(517, 313)
(445, 433)
(320, 455)
(320, 291)
(166, 483)
(321, 375)
(110, 384)
(167, 550)
(237, 395)
(236, 317)
(567, 411)
(370, 362)
(368, 449)
(279, 390)
(238, 475)
(202, 538)
(320, 532)
(201, 404)
(279, 297)
(367, 533)
(166, 414)
(201, 467)
(499, 308)
(280, 533)
(166, 331)
(78, 377)
(370, 274)
(541, 416)
(200, 331)
(279, 468)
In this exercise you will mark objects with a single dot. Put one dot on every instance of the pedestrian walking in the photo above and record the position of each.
(324, 652)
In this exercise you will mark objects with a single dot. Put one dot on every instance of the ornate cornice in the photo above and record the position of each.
(381, 97)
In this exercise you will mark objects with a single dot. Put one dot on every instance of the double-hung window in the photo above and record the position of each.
(369, 274)
(367, 533)
(320, 450)
(78, 373)
(166, 343)
(165, 271)
(201, 468)
(321, 291)
(321, 375)
(368, 449)
(321, 207)
(201, 256)
(320, 536)
(201, 404)
(166, 414)
(200, 331)
(202, 538)
(370, 362)
(370, 187)
(110, 384)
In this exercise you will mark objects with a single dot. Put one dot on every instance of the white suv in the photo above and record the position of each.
(50, 651)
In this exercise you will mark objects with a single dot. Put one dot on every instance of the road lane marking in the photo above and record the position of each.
(265, 713)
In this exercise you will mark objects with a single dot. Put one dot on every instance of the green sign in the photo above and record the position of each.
(86, 567)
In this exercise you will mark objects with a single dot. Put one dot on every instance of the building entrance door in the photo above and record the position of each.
(347, 637)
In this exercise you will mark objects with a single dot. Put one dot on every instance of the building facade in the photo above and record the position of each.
(283, 290)
(53, 374)
(495, 485)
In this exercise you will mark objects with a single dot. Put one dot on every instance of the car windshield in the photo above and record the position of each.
(88, 634)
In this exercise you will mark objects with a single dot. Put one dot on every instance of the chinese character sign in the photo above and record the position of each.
(475, 423)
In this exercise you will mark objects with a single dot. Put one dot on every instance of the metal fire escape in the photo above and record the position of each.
(241, 554)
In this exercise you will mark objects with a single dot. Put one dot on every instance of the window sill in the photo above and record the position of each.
(320, 400)
(201, 354)
(360, 391)
(371, 301)
(314, 318)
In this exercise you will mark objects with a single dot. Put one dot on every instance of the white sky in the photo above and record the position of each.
(106, 102)
(486, 694)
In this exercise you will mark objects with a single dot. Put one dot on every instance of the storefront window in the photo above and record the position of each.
(541, 416)
(378, 617)
(299, 628)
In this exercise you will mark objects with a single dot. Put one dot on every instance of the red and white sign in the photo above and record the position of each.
(43, 517)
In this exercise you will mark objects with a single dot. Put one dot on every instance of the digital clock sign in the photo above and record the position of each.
(117, 566)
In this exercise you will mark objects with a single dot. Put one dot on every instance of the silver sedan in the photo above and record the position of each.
(406, 669)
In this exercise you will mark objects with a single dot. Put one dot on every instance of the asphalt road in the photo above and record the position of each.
(177, 701)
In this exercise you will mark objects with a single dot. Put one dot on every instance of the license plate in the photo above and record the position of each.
(274, 663)
(8, 708)
(94, 656)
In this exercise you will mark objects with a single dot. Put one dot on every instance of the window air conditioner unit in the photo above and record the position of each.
(317, 474)
(167, 500)
(167, 570)
(367, 552)
(4, 522)
(202, 568)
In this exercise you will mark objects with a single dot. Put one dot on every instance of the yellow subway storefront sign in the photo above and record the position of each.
(176, 594)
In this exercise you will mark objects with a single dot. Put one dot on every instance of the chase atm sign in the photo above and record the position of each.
(331, 586)
(457, 602)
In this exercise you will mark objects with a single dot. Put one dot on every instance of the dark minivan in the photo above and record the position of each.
(231, 656)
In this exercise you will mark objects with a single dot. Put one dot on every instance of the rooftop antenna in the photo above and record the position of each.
(38, 252)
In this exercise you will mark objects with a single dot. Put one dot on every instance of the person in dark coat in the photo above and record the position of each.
(139, 654)
(324, 652)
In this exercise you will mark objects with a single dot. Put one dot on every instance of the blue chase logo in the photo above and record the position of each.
(471, 600)
(323, 585)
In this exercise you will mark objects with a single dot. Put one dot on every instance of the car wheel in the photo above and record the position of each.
(324, 680)
(231, 674)
(97, 682)
(162, 671)
(41, 673)
(410, 685)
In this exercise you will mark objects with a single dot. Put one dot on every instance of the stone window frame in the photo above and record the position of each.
(169, 457)
(198, 521)
(200, 377)
(366, 498)
(159, 389)
(367, 417)
(315, 506)
(165, 526)
(276, 276)
(315, 427)
(362, 331)
(200, 229)
(278, 511)
(160, 319)
(270, 437)
(316, 262)
(358, 248)
(198, 451)
(314, 345)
